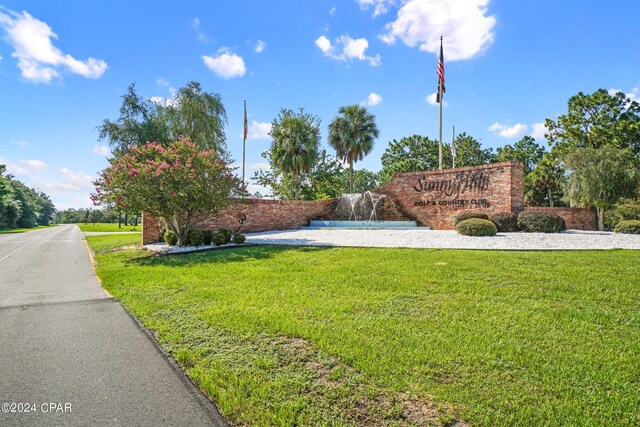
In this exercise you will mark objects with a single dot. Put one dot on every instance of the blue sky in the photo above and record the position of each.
(509, 65)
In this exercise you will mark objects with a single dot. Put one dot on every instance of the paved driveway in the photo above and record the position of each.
(70, 354)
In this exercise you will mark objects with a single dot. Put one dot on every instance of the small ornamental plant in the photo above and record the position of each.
(225, 235)
(171, 238)
(468, 215)
(476, 227)
(172, 183)
(505, 221)
(628, 227)
(195, 238)
(540, 222)
(238, 238)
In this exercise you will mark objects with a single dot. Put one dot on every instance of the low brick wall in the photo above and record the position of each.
(574, 218)
(435, 198)
(256, 214)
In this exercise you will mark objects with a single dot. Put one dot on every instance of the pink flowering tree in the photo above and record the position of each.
(171, 183)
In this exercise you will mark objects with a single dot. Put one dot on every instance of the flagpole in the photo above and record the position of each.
(453, 149)
(244, 140)
(440, 98)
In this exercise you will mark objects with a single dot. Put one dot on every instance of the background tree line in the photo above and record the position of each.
(20, 206)
(592, 159)
(571, 171)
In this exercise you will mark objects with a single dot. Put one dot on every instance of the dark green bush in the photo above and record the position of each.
(207, 237)
(195, 238)
(505, 221)
(631, 226)
(226, 234)
(476, 227)
(171, 238)
(219, 239)
(540, 222)
(468, 215)
(238, 238)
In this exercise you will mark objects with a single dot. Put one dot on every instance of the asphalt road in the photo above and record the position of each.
(71, 355)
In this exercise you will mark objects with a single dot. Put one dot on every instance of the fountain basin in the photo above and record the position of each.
(363, 224)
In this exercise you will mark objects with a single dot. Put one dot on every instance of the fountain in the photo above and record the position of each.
(361, 210)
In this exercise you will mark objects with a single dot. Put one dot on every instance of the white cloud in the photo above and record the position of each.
(34, 165)
(38, 59)
(20, 143)
(347, 49)
(380, 7)
(324, 44)
(226, 64)
(508, 131)
(162, 82)
(332, 11)
(538, 130)
(466, 28)
(101, 150)
(633, 95)
(72, 180)
(259, 130)
(431, 100)
(260, 47)
(374, 99)
(195, 25)
(254, 167)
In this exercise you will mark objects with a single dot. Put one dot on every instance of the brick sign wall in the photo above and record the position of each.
(256, 215)
(435, 198)
(574, 218)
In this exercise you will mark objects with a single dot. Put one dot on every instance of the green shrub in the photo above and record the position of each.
(171, 238)
(476, 227)
(238, 238)
(505, 221)
(226, 234)
(207, 237)
(631, 226)
(219, 239)
(195, 238)
(468, 215)
(540, 222)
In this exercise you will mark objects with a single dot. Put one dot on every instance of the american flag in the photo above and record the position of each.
(440, 73)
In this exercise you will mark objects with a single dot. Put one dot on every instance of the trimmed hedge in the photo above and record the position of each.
(207, 236)
(476, 227)
(505, 221)
(238, 238)
(171, 238)
(540, 222)
(468, 215)
(195, 238)
(631, 226)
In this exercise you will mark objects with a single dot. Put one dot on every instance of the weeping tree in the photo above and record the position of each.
(600, 177)
(294, 145)
(192, 113)
(352, 134)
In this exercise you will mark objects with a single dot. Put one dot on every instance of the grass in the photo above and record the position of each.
(346, 336)
(111, 242)
(23, 230)
(110, 227)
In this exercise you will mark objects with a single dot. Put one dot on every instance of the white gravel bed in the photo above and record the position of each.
(448, 239)
(162, 248)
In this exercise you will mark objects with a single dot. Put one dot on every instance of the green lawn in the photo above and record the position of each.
(23, 230)
(107, 227)
(346, 336)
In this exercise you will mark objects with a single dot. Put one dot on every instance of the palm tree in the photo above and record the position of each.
(352, 133)
(295, 141)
